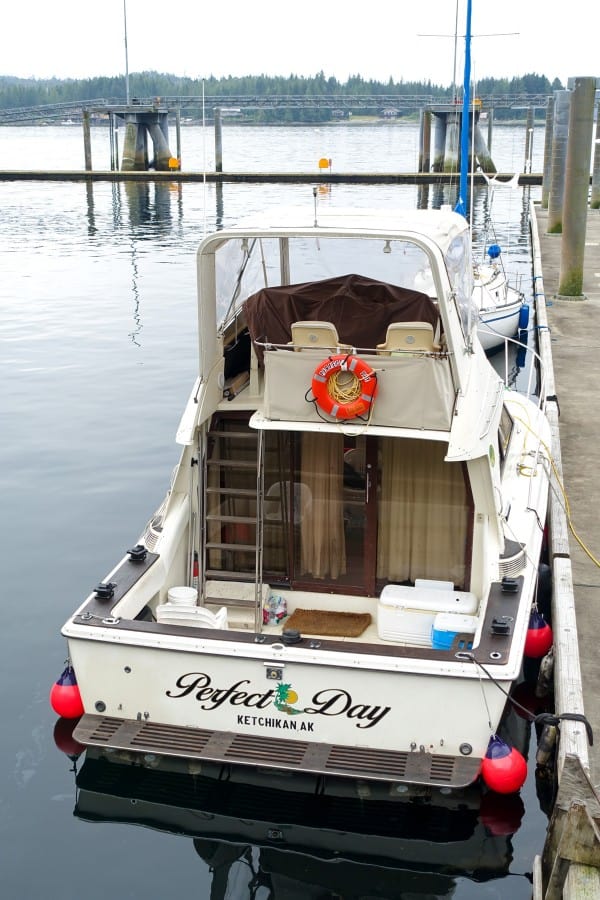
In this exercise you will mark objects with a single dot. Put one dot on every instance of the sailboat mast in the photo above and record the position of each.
(461, 205)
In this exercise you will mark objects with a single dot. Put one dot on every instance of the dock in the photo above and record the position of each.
(574, 327)
(316, 178)
(569, 331)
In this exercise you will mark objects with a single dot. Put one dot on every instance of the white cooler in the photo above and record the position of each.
(406, 614)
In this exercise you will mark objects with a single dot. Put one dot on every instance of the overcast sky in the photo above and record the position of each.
(375, 39)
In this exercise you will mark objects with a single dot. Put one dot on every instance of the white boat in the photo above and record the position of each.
(340, 578)
(499, 305)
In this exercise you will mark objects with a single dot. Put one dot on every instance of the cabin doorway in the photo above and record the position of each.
(335, 548)
(382, 511)
(330, 512)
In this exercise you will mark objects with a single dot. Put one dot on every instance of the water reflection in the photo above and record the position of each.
(302, 841)
(152, 208)
(137, 319)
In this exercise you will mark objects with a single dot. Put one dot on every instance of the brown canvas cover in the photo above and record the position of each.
(360, 308)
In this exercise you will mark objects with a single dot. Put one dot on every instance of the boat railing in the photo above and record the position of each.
(535, 370)
(352, 351)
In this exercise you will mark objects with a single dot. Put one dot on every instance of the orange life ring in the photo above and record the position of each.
(344, 386)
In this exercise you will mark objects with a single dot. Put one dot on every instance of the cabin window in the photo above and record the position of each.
(244, 266)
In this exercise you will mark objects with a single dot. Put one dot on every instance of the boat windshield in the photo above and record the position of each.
(246, 265)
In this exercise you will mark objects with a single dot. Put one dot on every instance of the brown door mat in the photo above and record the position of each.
(334, 624)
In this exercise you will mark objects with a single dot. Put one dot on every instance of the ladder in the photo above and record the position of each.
(232, 503)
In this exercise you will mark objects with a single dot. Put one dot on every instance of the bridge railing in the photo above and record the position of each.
(344, 102)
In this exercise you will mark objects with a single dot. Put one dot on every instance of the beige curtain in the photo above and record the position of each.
(322, 528)
(424, 514)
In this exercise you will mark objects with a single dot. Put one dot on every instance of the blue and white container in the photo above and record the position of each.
(447, 626)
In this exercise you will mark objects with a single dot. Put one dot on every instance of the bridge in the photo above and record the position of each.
(373, 104)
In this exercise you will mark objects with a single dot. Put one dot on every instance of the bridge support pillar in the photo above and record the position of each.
(142, 123)
(484, 157)
(452, 149)
(439, 143)
(446, 154)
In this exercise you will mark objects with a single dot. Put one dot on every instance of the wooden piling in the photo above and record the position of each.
(560, 134)
(547, 152)
(577, 182)
(87, 144)
(595, 198)
(178, 133)
(218, 140)
(490, 127)
(529, 126)
(425, 140)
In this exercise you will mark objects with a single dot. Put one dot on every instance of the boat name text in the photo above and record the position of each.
(326, 702)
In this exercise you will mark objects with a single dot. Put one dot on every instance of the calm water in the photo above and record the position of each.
(98, 332)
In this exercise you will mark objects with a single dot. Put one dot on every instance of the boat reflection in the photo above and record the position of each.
(306, 837)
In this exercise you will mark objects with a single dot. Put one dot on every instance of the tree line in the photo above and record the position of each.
(25, 92)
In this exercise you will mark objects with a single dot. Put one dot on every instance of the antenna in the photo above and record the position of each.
(204, 156)
(126, 57)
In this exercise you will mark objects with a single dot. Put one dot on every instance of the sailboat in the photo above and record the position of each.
(340, 578)
(500, 307)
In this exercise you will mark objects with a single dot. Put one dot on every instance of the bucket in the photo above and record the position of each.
(182, 596)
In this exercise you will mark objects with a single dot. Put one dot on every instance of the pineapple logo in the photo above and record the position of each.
(284, 697)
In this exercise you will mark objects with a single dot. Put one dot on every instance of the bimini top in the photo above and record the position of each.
(441, 226)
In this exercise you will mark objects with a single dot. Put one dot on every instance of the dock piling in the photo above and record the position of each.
(425, 140)
(547, 168)
(577, 182)
(87, 144)
(595, 198)
(218, 140)
(560, 134)
(529, 126)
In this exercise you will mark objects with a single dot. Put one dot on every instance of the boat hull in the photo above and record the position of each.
(498, 324)
(278, 712)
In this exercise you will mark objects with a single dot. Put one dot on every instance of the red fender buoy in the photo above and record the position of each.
(362, 379)
(539, 636)
(65, 698)
(504, 769)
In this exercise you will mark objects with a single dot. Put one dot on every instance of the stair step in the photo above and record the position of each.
(228, 575)
(242, 435)
(235, 547)
(232, 463)
(230, 602)
(232, 492)
(242, 520)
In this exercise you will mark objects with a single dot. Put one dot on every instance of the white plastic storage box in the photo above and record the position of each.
(446, 626)
(405, 614)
